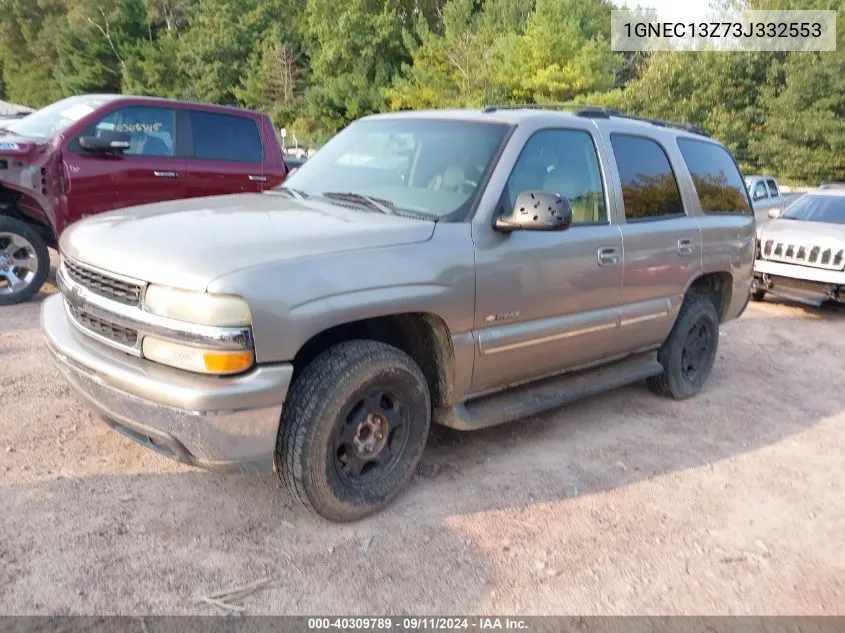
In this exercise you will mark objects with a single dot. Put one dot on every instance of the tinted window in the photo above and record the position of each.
(760, 191)
(151, 130)
(564, 162)
(225, 137)
(773, 188)
(717, 180)
(649, 188)
(434, 167)
(830, 209)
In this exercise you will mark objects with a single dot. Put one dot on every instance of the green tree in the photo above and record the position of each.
(28, 49)
(355, 50)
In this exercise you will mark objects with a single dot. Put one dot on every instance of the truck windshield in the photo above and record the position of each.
(48, 122)
(828, 209)
(432, 167)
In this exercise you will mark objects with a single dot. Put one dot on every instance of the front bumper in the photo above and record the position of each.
(227, 424)
(803, 283)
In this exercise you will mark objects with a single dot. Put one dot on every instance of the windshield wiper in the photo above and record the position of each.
(294, 193)
(376, 204)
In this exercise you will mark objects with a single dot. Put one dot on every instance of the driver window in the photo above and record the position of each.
(760, 190)
(150, 130)
(564, 162)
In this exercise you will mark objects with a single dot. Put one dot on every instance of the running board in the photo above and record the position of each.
(548, 394)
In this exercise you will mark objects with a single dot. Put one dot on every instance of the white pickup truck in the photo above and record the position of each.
(766, 196)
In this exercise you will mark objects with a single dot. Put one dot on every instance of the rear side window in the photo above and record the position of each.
(649, 188)
(225, 137)
(717, 180)
(773, 188)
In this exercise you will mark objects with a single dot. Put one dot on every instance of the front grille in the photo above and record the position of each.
(121, 335)
(806, 255)
(103, 285)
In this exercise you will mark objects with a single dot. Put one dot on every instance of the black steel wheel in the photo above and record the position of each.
(353, 429)
(689, 352)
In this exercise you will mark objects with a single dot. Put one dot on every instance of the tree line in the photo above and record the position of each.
(316, 65)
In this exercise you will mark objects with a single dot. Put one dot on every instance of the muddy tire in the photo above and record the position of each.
(24, 261)
(689, 352)
(353, 429)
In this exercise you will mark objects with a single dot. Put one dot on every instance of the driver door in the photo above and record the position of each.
(548, 301)
(149, 171)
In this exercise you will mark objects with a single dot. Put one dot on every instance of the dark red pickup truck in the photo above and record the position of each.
(94, 153)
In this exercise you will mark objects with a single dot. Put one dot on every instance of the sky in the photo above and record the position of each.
(679, 10)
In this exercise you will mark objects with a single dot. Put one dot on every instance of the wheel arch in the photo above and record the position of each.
(424, 336)
(716, 286)
(14, 204)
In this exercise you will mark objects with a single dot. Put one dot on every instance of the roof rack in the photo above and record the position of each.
(599, 112)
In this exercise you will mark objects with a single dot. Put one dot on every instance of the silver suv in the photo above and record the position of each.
(464, 268)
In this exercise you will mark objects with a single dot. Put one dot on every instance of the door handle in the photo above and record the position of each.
(685, 248)
(608, 256)
(258, 178)
(165, 174)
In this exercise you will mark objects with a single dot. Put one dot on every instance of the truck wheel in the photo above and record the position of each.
(689, 351)
(24, 261)
(354, 426)
(758, 295)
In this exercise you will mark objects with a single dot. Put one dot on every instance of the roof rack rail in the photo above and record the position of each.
(601, 112)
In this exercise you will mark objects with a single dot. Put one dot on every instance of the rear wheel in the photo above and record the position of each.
(689, 352)
(354, 426)
(24, 261)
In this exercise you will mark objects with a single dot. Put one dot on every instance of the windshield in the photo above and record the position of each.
(56, 118)
(828, 209)
(432, 167)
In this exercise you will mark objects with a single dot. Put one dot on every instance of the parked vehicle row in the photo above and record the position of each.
(463, 268)
(85, 155)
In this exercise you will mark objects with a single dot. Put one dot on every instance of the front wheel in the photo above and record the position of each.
(24, 261)
(689, 352)
(353, 429)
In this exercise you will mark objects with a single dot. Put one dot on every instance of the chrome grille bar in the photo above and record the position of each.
(105, 285)
(804, 254)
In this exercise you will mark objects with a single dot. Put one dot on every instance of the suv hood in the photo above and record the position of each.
(801, 232)
(189, 243)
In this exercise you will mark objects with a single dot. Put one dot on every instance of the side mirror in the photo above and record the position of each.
(107, 142)
(536, 211)
(774, 214)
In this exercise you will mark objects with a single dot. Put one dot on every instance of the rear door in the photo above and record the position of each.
(226, 154)
(149, 171)
(661, 241)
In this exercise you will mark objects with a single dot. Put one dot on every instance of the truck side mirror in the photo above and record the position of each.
(106, 142)
(536, 211)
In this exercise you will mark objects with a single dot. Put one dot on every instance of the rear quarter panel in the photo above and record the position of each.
(728, 244)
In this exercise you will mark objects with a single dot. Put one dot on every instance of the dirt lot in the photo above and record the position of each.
(622, 504)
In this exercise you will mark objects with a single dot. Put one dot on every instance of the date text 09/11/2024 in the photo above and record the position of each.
(417, 624)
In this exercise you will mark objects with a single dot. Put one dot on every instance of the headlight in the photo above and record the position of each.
(196, 359)
(199, 308)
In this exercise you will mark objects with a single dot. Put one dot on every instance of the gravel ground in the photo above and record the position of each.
(621, 504)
